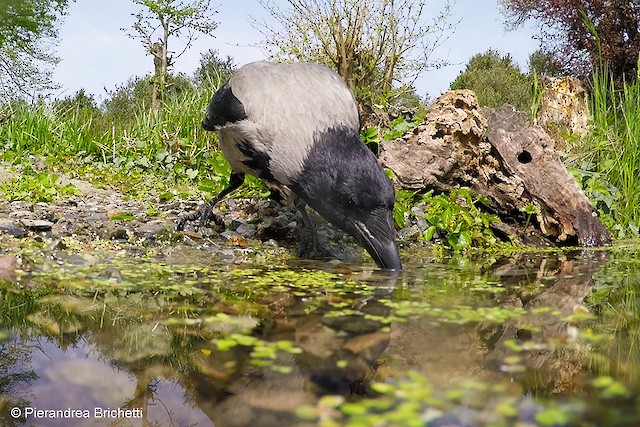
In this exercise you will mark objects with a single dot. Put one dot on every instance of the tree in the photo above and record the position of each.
(27, 30)
(581, 33)
(371, 44)
(544, 64)
(213, 69)
(161, 20)
(496, 80)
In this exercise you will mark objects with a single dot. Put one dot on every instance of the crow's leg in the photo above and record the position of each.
(310, 246)
(204, 212)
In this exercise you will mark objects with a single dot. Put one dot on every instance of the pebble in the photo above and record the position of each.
(247, 230)
(22, 214)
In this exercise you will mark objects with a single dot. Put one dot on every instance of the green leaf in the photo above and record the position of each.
(553, 416)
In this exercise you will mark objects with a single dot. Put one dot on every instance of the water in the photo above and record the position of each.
(544, 339)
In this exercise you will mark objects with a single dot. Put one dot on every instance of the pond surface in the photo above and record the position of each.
(119, 339)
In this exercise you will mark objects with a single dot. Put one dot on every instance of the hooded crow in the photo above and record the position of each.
(297, 125)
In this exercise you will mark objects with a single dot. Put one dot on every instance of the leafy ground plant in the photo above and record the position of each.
(454, 220)
(36, 186)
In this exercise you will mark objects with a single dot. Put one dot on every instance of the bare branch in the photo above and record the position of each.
(374, 45)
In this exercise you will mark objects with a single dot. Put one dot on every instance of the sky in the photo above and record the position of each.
(97, 55)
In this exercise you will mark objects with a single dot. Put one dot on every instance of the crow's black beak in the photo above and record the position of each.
(377, 235)
(385, 254)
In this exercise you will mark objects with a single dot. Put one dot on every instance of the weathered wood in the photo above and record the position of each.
(528, 152)
(496, 153)
(448, 151)
(564, 103)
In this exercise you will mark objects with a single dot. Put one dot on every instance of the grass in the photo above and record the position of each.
(612, 148)
(164, 148)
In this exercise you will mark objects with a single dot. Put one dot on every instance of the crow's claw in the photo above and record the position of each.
(310, 246)
(204, 213)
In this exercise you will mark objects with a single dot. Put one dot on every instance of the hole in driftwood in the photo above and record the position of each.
(525, 157)
(524, 334)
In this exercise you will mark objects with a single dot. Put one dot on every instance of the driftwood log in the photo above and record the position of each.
(499, 154)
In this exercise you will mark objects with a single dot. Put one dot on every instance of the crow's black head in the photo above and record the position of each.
(343, 181)
(224, 108)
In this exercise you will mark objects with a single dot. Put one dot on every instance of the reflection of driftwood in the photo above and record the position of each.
(496, 153)
(566, 295)
(450, 353)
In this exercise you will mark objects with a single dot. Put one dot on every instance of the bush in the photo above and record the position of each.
(496, 80)
(212, 68)
(128, 100)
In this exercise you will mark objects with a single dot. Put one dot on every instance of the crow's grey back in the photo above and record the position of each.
(286, 105)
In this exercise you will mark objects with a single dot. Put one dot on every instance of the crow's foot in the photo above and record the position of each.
(310, 246)
(204, 213)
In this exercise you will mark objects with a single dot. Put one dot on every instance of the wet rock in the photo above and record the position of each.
(12, 228)
(36, 224)
(246, 230)
(117, 232)
(154, 230)
(22, 214)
